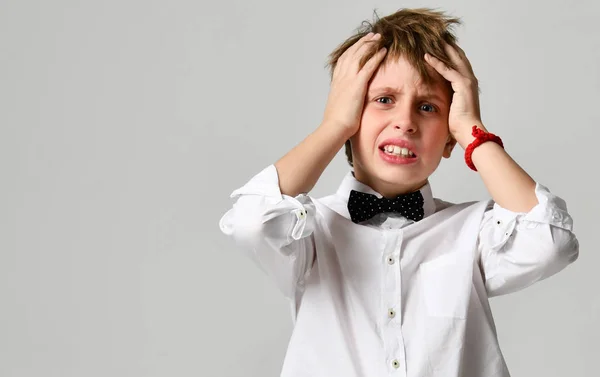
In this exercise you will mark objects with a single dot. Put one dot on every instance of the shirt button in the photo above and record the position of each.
(391, 313)
(301, 214)
(390, 260)
(396, 364)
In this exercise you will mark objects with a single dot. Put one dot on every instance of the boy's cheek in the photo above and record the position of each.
(358, 142)
(364, 133)
(369, 122)
(364, 116)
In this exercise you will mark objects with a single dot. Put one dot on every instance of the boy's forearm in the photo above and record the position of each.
(301, 167)
(509, 185)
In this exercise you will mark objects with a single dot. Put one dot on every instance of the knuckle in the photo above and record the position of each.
(468, 82)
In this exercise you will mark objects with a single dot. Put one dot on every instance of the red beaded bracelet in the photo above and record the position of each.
(481, 137)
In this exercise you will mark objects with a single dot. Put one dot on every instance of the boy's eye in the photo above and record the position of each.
(427, 107)
(388, 99)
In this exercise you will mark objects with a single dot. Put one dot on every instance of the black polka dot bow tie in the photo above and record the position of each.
(363, 206)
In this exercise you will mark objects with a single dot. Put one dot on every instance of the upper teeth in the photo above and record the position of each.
(394, 149)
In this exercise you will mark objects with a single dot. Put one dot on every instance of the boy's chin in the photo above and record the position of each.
(398, 181)
(387, 177)
(400, 178)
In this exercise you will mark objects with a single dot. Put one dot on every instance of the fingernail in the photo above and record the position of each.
(377, 36)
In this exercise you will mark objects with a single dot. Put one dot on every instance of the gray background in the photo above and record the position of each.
(126, 124)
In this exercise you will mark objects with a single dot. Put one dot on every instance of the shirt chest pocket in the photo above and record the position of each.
(446, 283)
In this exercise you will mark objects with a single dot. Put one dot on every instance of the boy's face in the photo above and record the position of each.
(401, 111)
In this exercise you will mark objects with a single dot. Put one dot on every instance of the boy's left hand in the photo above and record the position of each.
(464, 110)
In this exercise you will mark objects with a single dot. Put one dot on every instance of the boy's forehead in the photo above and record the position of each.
(399, 73)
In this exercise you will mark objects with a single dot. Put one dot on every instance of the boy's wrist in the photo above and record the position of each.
(464, 136)
(338, 129)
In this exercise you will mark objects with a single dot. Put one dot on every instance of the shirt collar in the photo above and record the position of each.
(351, 183)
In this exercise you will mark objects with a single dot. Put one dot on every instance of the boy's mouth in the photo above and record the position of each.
(395, 150)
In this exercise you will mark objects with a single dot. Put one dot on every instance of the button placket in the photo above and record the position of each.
(392, 300)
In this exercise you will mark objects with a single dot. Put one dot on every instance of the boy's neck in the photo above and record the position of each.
(387, 190)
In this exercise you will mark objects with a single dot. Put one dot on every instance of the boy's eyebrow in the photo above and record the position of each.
(391, 89)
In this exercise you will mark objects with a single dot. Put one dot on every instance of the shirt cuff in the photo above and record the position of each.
(266, 185)
(550, 210)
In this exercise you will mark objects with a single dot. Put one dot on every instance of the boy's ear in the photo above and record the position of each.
(450, 143)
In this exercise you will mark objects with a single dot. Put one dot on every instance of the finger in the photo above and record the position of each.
(467, 61)
(462, 53)
(448, 73)
(372, 64)
(349, 54)
(457, 55)
(365, 49)
(460, 50)
(457, 59)
(360, 43)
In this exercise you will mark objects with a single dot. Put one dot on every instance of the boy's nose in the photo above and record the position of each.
(406, 127)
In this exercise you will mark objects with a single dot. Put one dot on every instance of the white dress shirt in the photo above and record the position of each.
(390, 296)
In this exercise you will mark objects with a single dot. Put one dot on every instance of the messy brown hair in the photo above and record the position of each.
(407, 33)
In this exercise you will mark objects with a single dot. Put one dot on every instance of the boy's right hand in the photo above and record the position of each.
(300, 168)
(349, 85)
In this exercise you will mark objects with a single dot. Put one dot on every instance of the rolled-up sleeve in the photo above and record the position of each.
(518, 249)
(275, 230)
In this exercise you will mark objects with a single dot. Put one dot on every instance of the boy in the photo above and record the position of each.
(383, 278)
